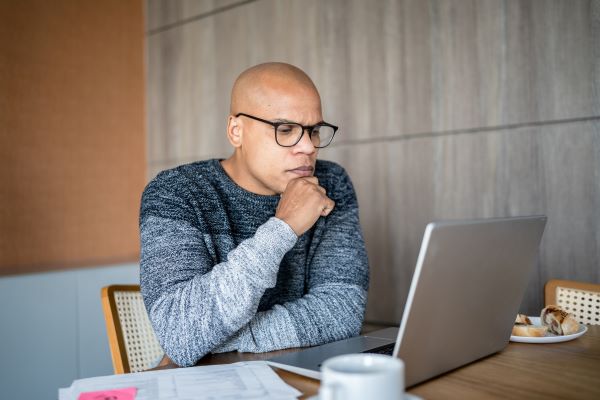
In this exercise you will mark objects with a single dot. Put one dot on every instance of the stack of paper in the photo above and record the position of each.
(245, 380)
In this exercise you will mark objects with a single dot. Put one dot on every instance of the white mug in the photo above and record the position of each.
(362, 376)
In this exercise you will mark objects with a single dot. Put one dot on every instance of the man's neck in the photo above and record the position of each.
(238, 173)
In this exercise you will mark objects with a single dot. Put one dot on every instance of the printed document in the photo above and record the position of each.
(243, 380)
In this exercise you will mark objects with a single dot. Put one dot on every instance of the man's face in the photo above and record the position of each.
(269, 166)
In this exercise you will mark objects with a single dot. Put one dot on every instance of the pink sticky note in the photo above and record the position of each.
(116, 394)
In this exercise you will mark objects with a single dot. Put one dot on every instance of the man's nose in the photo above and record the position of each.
(305, 145)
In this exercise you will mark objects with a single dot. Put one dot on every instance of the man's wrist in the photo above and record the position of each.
(286, 230)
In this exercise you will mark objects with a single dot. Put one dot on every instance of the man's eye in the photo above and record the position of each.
(286, 130)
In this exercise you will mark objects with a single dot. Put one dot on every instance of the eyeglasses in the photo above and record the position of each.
(288, 134)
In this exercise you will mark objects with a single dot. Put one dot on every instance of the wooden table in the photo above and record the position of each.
(569, 370)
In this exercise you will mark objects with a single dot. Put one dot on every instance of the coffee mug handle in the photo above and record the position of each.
(330, 391)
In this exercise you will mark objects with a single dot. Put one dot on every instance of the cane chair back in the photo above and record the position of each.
(133, 344)
(578, 298)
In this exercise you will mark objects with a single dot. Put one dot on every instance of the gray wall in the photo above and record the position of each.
(52, 329)
(448, 109)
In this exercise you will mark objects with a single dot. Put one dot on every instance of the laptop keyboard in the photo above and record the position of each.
(388, 349)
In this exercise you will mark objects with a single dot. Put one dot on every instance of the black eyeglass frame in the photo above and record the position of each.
(308, 128)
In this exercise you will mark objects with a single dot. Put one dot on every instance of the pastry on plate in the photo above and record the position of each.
(523, 320)
(558, 321)
(529, 330)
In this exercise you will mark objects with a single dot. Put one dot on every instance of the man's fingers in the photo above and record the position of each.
(302, 203)
(327, 208)
(311, 179)
(314, 181)
(299, 182)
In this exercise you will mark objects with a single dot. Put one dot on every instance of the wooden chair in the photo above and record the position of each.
(133, 344)
(579, 298)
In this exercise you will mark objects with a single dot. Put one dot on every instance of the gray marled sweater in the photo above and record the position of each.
(219, 272)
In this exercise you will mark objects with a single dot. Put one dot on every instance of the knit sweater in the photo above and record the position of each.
(219, 272)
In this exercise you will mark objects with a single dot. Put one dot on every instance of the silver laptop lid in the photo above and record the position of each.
(467, 287)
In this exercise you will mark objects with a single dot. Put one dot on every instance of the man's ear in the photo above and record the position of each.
(234, 131)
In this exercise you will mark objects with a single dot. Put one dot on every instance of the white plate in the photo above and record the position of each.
(550, 337)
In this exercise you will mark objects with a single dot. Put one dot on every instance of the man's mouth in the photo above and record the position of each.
(306, 170)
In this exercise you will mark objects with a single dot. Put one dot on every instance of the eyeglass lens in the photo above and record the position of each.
(290, 134)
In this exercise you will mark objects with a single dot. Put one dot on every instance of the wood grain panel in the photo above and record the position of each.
(571, 169)
(564, 59)
(72, 133)
(386, 68)
(403, 185)
(160, 13)
(189, 104)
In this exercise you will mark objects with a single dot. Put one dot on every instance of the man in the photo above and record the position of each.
(263, 250)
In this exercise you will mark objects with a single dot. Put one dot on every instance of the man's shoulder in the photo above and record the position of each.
(181, 192)
(329, 170)
(198, 169)
(334, 178)
(182, 180)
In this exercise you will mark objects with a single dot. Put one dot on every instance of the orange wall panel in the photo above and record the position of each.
(72, 134)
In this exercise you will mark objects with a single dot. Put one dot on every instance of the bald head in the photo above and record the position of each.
(263, 94)
(260, 86)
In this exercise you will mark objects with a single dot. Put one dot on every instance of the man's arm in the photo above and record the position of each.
(193, 308)
(334, 305)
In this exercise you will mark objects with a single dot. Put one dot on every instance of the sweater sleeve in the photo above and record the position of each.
(333, 307)
(191, 304)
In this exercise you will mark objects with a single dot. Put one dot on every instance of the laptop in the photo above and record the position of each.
(465, 293)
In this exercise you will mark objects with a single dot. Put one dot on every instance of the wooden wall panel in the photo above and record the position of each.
(533, 170)
(72, 133)
(448, 109)
(162, 13)
(385, 68)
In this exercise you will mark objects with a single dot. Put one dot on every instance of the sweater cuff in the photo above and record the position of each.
(287, 232)
(278, 238)
(277, 235)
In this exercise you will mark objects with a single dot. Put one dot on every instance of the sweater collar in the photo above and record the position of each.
(232, 187)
